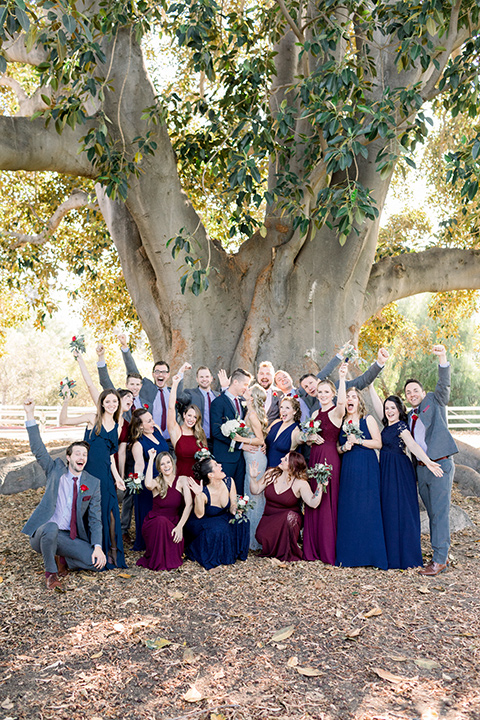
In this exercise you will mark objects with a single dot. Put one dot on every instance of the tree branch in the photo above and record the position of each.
(28, 145)
(28, 105)
(15, 50)
(293, 25)
(77, 200)
(435, 270)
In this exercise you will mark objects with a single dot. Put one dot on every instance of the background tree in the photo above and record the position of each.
(291, 115)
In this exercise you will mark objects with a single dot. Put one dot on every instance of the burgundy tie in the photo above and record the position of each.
(237, 405)
(163, 421)
(414, 422)
(73, 515)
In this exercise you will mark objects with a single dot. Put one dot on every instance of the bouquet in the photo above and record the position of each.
(202, 454)
(351, 354)
(352, 428)
(66, 388)
(321, 472)
(235, 427)
(78, 343)
(243, 505)
(134, 483)
(310, 427)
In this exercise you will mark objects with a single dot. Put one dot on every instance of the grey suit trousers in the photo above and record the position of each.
(435, 493)
(50, 541)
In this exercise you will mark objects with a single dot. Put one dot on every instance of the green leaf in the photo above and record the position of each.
(431, 26)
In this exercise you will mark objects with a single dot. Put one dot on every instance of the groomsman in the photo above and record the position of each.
(265, 377)
(284, 382)
(428, 425)
(202, 396)
(228, 406)
(66, 526)
(309, 382)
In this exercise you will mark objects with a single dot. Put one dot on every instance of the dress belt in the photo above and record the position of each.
(445, 457)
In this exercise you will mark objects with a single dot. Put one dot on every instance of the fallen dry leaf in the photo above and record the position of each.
(7, 704)
(96, 656)
(119, 627)
(157, 643)
(124, 575)
(175, 594)
(350, 634)
(278, 563)
(424, 590)
(219, 674)
(426, 664)
(188, 655)
(386, 675)
(309, 671)
(373, 612)
(398, 658)
(192, 695)
(283, 633)
(293, 661)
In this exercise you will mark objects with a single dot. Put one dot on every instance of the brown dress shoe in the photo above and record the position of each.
(127, 540)
(433, 568)
(61, 565)
(53, 582)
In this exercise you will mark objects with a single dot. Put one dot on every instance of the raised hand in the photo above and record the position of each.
(382, 356)
(177, 378)
(254, 472)
(441, 353)
(100, 350)
(194, 486)
(343, 370)
(152, 454)
(223, 378)
(29, 407)
(186, 366)
(122, 339)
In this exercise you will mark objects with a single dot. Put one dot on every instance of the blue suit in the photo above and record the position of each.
(45, 537)
(233, 463)
(436, 492)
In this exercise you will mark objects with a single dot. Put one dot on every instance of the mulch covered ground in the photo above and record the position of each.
(256, 640)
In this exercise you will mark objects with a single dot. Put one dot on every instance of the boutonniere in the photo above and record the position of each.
(145, 405)
(244, 403)
(83, 488)
(295, 396)
(274, 394)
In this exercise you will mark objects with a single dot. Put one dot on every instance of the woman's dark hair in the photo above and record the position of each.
(400, 407)
(201, 469)
(101, 410)
(297, 468)
(135, 431)
(123, 391)
(297, 411)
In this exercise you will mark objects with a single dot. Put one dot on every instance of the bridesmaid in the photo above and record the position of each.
(360, 537)
(284, 435)
(285, 487)
(398, 484)
(102, 435)
(256, 419)
(144, 436)
(163, 527)
(320, 529)
(187, 438)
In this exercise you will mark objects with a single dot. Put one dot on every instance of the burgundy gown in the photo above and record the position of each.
(320, 529)
(280, 526)
(185, 450)
(161, 552)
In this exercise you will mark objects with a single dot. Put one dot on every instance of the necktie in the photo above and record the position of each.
(73, 515)
(209, 407)
(237, 405)
(414, 421)
(163, 421)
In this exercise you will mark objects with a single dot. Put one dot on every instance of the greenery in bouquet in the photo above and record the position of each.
(133, 483)
(78, 343)
(66, 388)
(352, 428)
(244, 504)
(321, 473)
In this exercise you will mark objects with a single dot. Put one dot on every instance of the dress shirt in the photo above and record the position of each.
(157, 410)
(137, 403)
(234, 399)
(63, 508)
(269, 399)
(419, 430)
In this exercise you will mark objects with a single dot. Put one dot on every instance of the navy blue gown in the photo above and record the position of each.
(214, 540)
(360, 537)
(278, 447)
(102, 447)
(143, 500)
(398, 491)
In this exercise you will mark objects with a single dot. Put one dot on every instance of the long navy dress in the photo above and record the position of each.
(360, 538)
(398, 491)
(102, 447)
(143, 500)
(216, 541)
(278, 447)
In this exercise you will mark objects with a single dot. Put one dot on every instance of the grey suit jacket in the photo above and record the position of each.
(360, 382)
(433, 415)
(149, 390)
(194, 396)
(88, 502)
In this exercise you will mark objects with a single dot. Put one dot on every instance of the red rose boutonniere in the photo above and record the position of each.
(83, 488)
(274, 394)
(295, 396)
(145, 405)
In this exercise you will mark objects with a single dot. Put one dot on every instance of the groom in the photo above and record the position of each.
(66, 527)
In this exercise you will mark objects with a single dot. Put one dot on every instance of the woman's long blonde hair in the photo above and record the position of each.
(259, 397)
(162, 484)
(198, 431)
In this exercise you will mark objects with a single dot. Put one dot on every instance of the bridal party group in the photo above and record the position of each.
(295, 472)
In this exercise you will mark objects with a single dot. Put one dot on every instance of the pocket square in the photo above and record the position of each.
(425, 409)
(86, 497)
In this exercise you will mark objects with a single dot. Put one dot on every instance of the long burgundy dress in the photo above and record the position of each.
(279, 529)
(161, 552)
(320, 529)
(185, 450)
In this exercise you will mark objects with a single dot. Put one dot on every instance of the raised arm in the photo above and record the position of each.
(376, 402)
(130, 364)
(150, 483)
(182, 486)
(36, 443)
(362, 381)
(103, 375)
(86, 376)
(442, 390)
(63, 418)
(415, 448)
(257, 483)
(173, 427)
(336, 415)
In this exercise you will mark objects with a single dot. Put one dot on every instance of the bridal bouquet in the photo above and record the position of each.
(134, 483)
(310, 427)
(321, 472)
(351, 354)
(352, 428)
(66, 388)
(202, 454)
(243, 505)
(78, 343)
(235, 427)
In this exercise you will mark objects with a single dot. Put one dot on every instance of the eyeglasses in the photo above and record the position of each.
(160, 372)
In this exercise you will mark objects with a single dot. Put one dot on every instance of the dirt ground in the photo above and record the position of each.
(258, 640)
